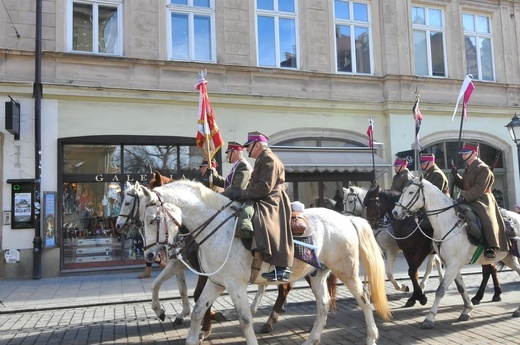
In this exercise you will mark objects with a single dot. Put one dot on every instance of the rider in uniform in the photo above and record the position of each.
(402, 177)
(272, 228)
(477, 184)
(433, 173)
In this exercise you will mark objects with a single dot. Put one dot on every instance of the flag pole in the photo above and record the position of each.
(458, 148)
(416, 148)
(202, 75)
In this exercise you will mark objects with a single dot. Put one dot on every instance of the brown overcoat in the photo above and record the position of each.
(437, 177)
(401, 180)
(477, 183)
(272, 220)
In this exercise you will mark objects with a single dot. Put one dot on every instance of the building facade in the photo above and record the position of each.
(117, 80)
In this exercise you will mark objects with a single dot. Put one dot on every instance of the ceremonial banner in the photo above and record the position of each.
(370, 133)
(418, 121)
(208, 134)
(465, 91)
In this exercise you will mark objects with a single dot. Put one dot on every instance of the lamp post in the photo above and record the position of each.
(514, 131)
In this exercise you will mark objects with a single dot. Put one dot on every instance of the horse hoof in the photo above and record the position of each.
(409, 303)
(475, 301)
(495, 299)
(266, 328)
(464, 317)
(176, 322)
(219, 317)
(516, 313)
(405, 288)
(423, 300)
(428, 324)
(162, 316)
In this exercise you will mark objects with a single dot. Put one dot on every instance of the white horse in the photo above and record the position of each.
(384, 234)
(341, 241)
(450, 241)
(132, 211)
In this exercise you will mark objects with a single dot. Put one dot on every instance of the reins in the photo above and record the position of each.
(185, 242)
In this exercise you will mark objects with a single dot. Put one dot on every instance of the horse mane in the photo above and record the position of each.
(213, 199)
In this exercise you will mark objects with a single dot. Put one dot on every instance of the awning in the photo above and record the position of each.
(297, 159)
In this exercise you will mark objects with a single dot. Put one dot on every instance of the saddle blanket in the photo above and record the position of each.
(306, 254)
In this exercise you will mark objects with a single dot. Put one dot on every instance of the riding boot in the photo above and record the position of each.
(147, 273)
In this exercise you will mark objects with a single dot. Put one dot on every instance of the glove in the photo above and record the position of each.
(236, 195)
(460, 200)
(454, 171)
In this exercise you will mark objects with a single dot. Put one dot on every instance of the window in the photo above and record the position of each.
(479, 46)
(277, 43)
(428, 41)
(95, 27)
(352, 20)
(93, 174)
(191, 35)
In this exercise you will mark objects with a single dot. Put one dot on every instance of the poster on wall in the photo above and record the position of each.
(48, 219)
(22, 211)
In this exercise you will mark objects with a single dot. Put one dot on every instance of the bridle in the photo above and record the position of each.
(132, 218)
(183, 242)
(358, 198)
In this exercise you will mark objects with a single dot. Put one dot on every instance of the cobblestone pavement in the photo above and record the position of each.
(136, 323)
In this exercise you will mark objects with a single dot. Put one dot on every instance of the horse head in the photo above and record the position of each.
(353, 200)
(161, 224)
(412, 199)
(129, 213)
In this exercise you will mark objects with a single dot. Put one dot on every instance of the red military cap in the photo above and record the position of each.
(427, 157)
(400, 161)
(468, 147)
(204, 163)
(233, 145)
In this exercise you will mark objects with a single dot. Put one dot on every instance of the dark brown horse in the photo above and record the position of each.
(415, 241)
(283, 289)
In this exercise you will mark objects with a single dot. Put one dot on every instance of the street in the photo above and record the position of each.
(126, 322)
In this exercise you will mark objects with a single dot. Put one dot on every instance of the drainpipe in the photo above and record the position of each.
(37, 94)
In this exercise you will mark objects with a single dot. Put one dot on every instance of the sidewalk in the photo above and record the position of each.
(119, 288)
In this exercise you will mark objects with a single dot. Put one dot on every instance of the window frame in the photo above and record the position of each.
(192, 11)
(353, 24)
(427, 29)
(479, 36)
(95, 38)
(277, 15)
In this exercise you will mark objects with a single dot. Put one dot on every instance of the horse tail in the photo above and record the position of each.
(373, 266)
(331, 287)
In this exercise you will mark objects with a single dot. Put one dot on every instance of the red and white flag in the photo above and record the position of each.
(208, 135)
(370, 133)
(465, 91)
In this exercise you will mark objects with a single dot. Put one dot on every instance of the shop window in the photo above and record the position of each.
(93, 178)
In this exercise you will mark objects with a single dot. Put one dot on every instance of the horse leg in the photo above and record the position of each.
(468, 306)
(391, 256)
(209, 315)
(512, 262)
(206, 298)
(238, 294)
(258, 298)
(449, 276)
(173, 267)
(319, 288)
(414, 262)
(486, 272)
(283, 291)
(496, 284)
(429, 268)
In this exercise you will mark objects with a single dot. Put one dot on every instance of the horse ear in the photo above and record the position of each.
(377, 189)
(158, 179)
(421, 177)
(137, 186)
(146, 192)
